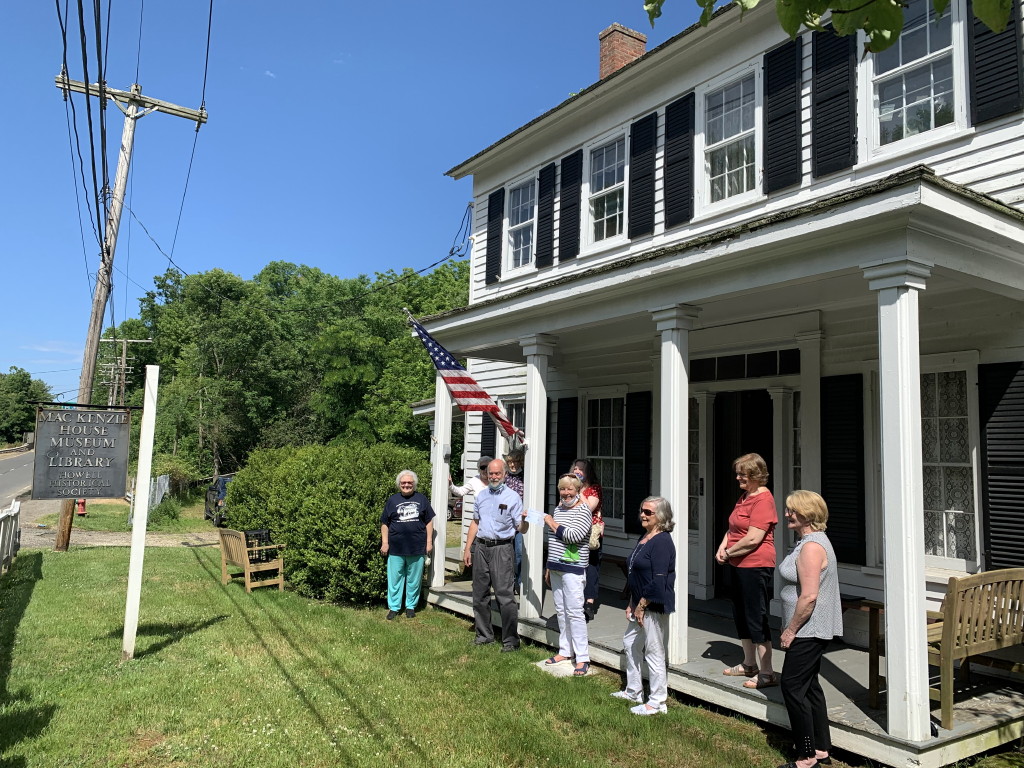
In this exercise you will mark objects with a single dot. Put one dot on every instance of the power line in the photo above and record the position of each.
(88, 113)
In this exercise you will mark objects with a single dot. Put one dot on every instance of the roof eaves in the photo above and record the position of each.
(459, 171)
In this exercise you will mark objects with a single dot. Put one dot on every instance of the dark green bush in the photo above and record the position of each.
(324, 503)
(168, 509)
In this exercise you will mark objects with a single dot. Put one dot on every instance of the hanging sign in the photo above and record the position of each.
(80, 453)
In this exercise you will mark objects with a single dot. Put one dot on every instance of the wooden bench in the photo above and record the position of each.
(252, 559)
(979, 614)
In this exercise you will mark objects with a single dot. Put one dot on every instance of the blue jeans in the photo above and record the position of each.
(404, 572)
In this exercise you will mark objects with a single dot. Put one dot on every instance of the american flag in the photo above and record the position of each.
(466, 393)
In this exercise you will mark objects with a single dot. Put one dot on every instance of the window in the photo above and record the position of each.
(913, 79)
(730, 146)
(608, 189)
(950, 529)
(522, 208)
(605, 432)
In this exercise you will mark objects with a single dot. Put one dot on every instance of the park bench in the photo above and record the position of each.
(979, 614)
(253, 552)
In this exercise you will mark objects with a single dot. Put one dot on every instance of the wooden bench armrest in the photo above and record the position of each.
(935, 615)
(266, 546)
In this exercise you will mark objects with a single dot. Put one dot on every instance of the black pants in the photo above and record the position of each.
(751, 597)
(805, 701)
(495, 567)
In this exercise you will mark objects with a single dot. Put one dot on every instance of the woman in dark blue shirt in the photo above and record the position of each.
(651, 583)
(406, 538)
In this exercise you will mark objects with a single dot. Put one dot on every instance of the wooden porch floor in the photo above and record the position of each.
(987, 713)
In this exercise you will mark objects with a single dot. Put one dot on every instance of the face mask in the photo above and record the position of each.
(495, 485)
(578, 473)
(571, 502)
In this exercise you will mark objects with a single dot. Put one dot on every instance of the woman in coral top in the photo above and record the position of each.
(749, 547)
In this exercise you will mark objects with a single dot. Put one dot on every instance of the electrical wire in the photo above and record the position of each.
(102, 83)
(138, 51)
(88, 112)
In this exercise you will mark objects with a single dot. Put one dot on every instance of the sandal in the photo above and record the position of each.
(741, 670)
(763, 680)
(556, 659)
(582, 669)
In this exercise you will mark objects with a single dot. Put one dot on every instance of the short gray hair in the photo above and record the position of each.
(407, 473)
(662, 512)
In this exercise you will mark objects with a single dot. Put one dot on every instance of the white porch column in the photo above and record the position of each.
(899, 368)
(782, 472)
(809, 345)
(538, 350)
(674, 324)
(440, 469)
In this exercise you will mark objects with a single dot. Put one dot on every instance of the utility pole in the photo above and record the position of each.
(119, 370)
(134, 106)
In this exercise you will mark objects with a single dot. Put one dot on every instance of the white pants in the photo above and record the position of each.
(647, 643)
(567, 592)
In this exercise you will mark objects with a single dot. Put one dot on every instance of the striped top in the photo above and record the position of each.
(826, 619)
(568, 546)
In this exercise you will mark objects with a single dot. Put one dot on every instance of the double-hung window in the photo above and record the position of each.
(605, 442)
(730, 141)
(608, 190)
(522, 216)
(914, 80)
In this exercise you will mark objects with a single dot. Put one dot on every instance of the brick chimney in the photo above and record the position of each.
(620, 46)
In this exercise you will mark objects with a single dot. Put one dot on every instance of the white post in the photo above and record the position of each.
(782, 472)
(899, 367)
(131, 610)
(810, 409)
(538, 349)
(439, 470)
(674, 324)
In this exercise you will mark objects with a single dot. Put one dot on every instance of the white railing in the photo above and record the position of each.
(10, 535)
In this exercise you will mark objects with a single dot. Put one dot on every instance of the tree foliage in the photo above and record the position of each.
(881, 20)
(292, 357)
(18, 390)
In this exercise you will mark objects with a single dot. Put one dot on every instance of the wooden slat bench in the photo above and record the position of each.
(236, 551)
(979, 614)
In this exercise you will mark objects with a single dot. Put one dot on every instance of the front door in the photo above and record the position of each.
(742, 424)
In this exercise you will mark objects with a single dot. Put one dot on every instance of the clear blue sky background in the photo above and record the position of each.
(331, 123)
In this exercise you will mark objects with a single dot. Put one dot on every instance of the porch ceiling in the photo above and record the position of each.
(806, 261)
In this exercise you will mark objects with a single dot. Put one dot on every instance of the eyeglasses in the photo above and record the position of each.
(646, 512)
(741, 476)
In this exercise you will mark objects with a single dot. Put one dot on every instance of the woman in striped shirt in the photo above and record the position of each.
(568, 533)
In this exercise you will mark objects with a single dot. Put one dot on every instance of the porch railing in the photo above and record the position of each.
(10, 535)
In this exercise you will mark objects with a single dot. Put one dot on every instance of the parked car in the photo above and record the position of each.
(454, 508)
(215, 494)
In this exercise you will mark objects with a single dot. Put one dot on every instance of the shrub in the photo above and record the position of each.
(324, 503)
(168, 509)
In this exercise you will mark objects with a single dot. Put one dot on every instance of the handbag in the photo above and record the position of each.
(596, 532)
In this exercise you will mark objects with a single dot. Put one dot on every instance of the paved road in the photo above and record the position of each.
(15, 476)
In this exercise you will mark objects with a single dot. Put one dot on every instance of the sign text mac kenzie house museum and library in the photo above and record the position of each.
(80, 454)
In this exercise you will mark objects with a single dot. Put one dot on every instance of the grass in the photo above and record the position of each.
(112, 515)
(222, 678)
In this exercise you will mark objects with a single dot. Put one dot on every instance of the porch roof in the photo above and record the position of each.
(972, 240)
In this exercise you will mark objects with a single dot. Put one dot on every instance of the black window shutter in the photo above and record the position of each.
(569, 206)
(842, 465)
(1001, 410)
(679, 119)
(638, 458)
(488, 437)
(833, 102)
(495, 228)
(782, 79)
(994, 68)
(643, 146)
(546, 217)
(566, 445)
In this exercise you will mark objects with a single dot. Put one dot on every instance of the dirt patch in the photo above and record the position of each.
(34, 537)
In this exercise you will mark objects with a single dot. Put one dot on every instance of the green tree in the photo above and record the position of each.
(18, 390)
(881, 20)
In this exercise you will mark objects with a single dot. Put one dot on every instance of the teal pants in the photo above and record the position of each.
(404, 571)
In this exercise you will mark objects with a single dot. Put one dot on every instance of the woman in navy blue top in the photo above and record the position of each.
(651, 583)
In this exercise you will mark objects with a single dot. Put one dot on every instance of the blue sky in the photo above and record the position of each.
(331, 124)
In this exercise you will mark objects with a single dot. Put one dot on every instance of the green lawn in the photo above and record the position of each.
(112, 515)
(222, 678)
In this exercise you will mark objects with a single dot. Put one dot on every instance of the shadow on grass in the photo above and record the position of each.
(171, 633)
(372, 719)
(21, 720)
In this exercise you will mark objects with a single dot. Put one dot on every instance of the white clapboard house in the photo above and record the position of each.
(741, 242)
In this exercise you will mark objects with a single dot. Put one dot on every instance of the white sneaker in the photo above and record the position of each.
(625, 695)
(641, 709)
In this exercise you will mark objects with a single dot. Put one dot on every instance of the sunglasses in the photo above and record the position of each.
(646, 512)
